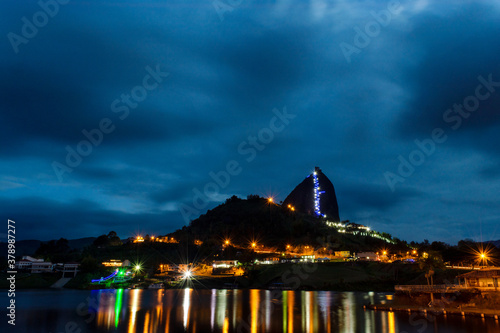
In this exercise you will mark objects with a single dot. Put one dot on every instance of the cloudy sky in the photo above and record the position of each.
(114, 116)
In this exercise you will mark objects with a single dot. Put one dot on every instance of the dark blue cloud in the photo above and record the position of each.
(353, 119)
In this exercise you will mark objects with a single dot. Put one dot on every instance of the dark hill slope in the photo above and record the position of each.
(302, 197)
(256, 219)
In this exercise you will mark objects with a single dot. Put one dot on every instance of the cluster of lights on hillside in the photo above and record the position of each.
(160, 239)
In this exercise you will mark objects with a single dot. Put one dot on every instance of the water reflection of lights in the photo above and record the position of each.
(212, 308)
(221, 307)
(254, 309)
(268, 310)
(392, 322)
(348, 321)
(186, 306)
(291, 305)
(118, 305)
(135, 297)
(224, 310)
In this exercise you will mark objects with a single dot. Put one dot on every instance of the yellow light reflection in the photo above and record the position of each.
(133, 309)
(225, 328)
(254, 309)
(146, 323)
(291, 301)
(284, 301)
(392, 322)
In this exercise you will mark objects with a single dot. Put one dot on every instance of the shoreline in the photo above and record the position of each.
(435, 311)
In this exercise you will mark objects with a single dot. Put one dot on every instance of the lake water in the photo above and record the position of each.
(189, 310)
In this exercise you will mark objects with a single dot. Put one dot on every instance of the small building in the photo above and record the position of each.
(368, 256)
(224, 263)
(342, 254)
(42, 267)
(32, 259)
(292, 260)
(484, 279)
(268, 261)
(23, 264)
(306, 259)
(70, 267)
(116, 263)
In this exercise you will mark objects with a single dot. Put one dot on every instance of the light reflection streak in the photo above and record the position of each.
(392, 322)
(133, 310)
(169, 310)
(146, 323)
(348, 317)
(118, 306)
(236, 308)
(268, 310)
(186, 306)
(221, 307)
(291, 305)
(369, 321)
(254, 309)
(303, 310)
(212, 308)
(284, 301)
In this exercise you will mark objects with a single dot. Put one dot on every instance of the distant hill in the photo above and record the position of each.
(23, 247)
(496, 243)
(28, 247)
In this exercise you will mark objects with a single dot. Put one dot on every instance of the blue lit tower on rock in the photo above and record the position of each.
(315, 196)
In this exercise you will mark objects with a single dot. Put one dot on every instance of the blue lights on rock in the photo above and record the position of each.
(317, 194)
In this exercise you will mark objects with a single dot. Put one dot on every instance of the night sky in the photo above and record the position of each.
(173, 91)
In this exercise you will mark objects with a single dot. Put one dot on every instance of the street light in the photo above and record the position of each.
(484, 258)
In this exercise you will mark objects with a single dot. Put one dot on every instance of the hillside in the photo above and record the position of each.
(274, 226)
